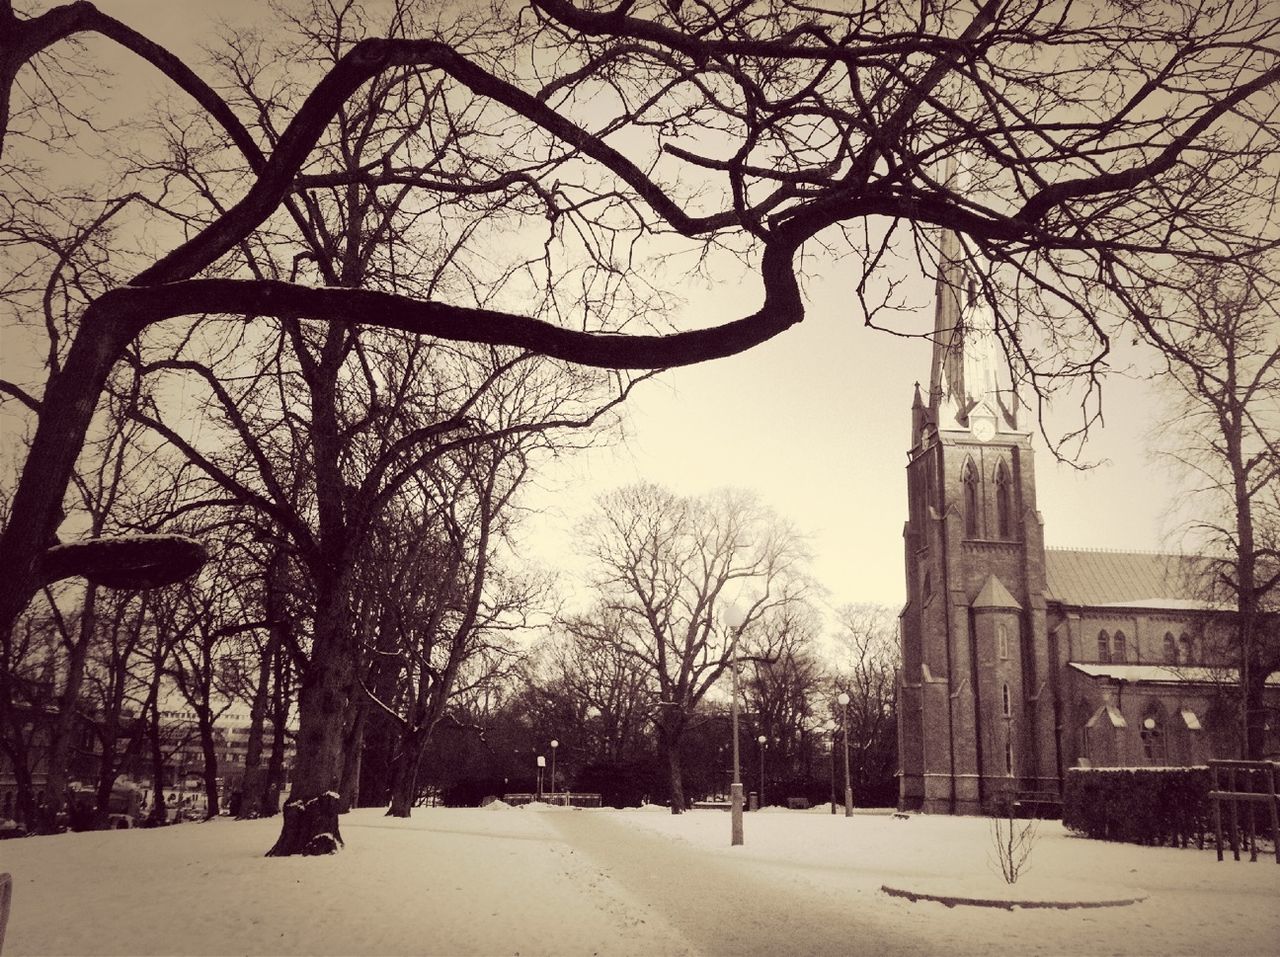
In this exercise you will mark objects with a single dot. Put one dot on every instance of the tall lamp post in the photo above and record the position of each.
(554, 744)
(733, 619)
(848, 789)
(830, 728)
(762, 740)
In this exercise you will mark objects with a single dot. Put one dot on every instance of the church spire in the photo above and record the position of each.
(969, 377)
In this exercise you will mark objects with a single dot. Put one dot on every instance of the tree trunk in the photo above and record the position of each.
(59, 759)
(311, 813)
(353, 743)
(210, 755)
(669, 745)
(253, 784)
(282, 696)
(66, 410)
(404, 777)
(159, 812)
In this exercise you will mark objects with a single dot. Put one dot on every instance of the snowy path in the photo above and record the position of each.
(720, 904)
(549, 881)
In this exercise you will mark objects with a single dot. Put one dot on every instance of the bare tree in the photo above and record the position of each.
(589, 680)
(1135, 133)
(866, 668)
(779, 691)
(1224, 433)
(669, 566)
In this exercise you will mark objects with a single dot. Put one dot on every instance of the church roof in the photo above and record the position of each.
(1164, 674)
(1093, 578)
(995, 595)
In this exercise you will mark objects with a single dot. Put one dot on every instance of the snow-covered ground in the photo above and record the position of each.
(558, 881)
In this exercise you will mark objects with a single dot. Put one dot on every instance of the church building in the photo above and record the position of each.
(1019, 661)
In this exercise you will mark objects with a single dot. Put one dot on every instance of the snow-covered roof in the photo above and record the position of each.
(1162, 674)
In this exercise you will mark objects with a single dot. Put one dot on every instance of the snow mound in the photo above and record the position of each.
(823, 808)
(497, 804)
(984, 890)
(654, 807)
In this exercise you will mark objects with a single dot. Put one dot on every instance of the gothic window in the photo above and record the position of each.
(1186, 650)
(1170, 649)
(1083, 714)
(1004, 502)
(1002, 640)
(1008, 757)
(1119, 648)
(1152, 733)
(1004, 697)
(928, 585)
(969, 478)
(1104, 648)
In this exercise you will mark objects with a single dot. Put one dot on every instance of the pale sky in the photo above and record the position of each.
(817, 421)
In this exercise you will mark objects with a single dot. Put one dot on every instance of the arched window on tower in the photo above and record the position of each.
(1186, 650)
(1119, 648)
(1170, 649)
(969, 478)
(1004, 501)
(1002, 640)
(1104, 648)
(1004, 697)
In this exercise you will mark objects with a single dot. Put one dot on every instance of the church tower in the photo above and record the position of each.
(976, 719)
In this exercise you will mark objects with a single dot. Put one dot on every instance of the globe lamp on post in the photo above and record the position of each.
(733, 619)
(762, 740)
(848, 788)
(830, 728)
(554, 744)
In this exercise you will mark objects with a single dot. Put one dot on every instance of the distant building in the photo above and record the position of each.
(1020, 662)
(184, 765)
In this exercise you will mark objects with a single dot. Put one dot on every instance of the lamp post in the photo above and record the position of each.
(762, 740)
(554, 744)
(848, 789)
(733, 619)
(830, 728)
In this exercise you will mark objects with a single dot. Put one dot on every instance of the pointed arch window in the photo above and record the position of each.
(1004, 697)
(1002, 640)
(1170, 648)
(1119, 648)
(1152, 733)
(1004, 501)
(969, 479)
(1186, 650)
(1008, 757)
(1104, 648)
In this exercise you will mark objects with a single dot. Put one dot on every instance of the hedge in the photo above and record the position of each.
(1155, 806)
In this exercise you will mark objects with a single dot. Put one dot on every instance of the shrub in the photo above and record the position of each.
(1154, 806)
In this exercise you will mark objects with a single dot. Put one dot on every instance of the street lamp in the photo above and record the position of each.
(761, 741)
(733, 619)
(554, 744)
(830, 728)
(848, 789)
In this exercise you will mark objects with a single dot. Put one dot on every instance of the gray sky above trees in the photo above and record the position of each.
(816, 420)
